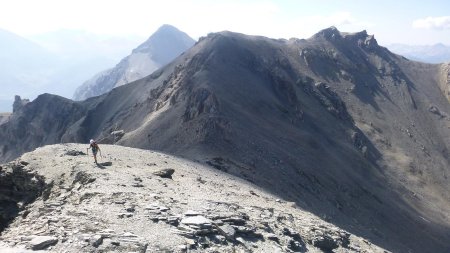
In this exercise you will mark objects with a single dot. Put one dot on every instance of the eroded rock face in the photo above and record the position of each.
(445, 80)
(18, 187)
(52, 115)
(19, 103)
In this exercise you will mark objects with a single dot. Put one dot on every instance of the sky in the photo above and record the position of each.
(410, 22)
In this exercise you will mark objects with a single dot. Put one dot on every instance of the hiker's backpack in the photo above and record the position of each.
(94, 146)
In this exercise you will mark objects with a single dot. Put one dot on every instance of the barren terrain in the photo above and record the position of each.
(122, 206)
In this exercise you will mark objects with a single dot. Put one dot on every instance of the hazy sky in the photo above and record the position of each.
(411, 21)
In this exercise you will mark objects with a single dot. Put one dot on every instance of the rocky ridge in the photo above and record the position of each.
(145, 201)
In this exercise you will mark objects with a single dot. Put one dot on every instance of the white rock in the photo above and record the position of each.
(128, 234)
(196, 220)
(152, 206)
(182, 247)
(191, 213)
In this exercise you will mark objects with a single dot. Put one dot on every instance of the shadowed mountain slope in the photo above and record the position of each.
(348, 130)
(43, 122)
(162, 47)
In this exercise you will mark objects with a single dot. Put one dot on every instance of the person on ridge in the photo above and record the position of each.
(95, 148)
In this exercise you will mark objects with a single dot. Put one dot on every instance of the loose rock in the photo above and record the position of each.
(164, 173)
(228, 231)
(42, 242)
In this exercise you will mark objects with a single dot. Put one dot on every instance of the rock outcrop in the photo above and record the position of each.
(19, 103)
(19, 186)
(52, 116)
(445, 80)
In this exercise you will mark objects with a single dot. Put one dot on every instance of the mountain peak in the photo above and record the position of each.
(166, 37)
(167, 28)
(19, 103)
(361, 39)
(328, 33)
(160, 48)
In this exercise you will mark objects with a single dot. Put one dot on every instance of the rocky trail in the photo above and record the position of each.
(145, 201)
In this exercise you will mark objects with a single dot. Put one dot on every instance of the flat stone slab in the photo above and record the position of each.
(196, 220)
(42, 242)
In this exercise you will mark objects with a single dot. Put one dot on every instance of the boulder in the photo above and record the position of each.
(164, 173)
(325, 243)
(117, 135)
(228, 231)
(96, 240)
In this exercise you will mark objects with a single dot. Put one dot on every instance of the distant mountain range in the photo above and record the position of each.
(437, 53)
(348, 130)
(60, 61)
(162, 47)
(56, 62)
(82, 45)
(26, 67)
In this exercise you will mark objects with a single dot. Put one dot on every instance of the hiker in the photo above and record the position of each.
(95, 148)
